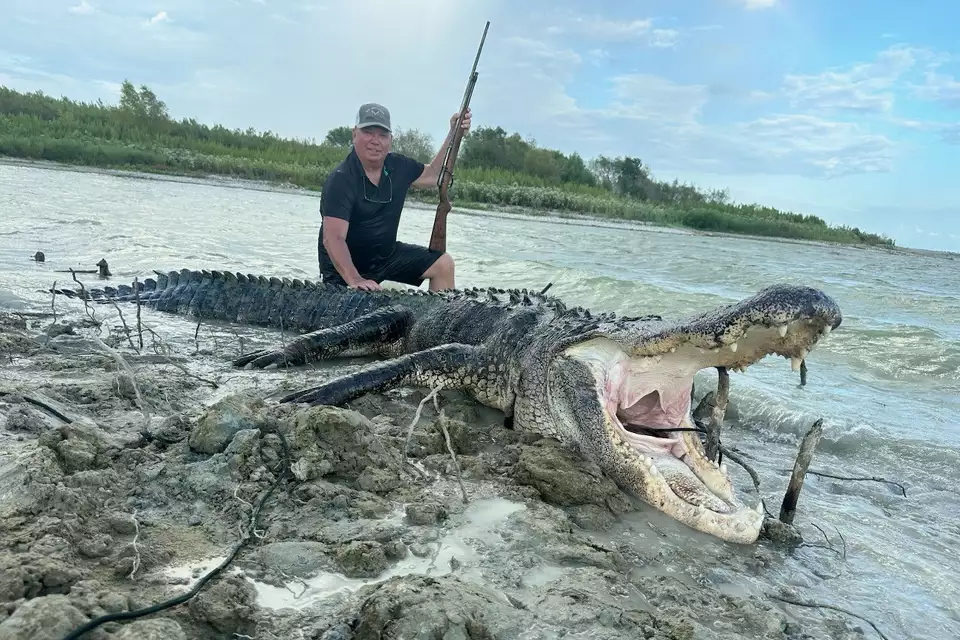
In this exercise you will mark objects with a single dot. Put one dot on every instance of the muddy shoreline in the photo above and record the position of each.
(125, 477)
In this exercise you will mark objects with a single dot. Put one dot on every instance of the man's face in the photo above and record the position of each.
(372, 143)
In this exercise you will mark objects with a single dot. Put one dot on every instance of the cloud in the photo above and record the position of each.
(664, 38)
(940, 88)
(657, 100)
(865, 87)
(754, 5)
(613, 31)
(159, 17)
(81, 9)
(662, 122)
(951, 134)
(602, 29)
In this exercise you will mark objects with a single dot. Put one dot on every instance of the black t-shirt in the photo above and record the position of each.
(373, 211)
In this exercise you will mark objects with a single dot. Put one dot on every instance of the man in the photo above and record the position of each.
(360, 211)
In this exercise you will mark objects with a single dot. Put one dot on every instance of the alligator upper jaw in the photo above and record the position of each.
(646, 398)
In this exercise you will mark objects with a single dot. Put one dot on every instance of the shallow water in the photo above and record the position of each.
(887, 383)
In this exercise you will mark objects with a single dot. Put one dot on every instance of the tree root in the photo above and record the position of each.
(822, 474)
(820, 605)
(41, 402)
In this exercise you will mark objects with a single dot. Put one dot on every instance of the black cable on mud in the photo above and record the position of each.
(178, 600)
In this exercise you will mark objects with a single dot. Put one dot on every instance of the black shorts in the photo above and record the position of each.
(406, 265)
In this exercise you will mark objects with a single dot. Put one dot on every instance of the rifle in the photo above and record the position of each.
(438, 237)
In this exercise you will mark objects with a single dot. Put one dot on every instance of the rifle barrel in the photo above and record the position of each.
(438, 237)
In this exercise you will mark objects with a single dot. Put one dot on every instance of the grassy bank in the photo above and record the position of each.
(494, 168)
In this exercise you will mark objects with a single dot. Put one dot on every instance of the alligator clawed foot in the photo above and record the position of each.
(263, 359)
(310, 395)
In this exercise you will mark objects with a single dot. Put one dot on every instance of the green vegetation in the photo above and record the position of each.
(494, 168)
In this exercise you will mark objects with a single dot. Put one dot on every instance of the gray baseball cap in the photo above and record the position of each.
(372, 114)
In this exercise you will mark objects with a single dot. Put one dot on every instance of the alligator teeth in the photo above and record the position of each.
(783, 330)
(826, 330)
(723, 468)
(803, 354)
(653, 470)
(733, 346)
(673, 349)
(795, 362)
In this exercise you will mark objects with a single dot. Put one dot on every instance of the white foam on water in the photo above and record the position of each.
(481, 521)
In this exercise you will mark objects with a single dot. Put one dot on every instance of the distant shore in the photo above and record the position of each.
(495, 170)
(460, 207)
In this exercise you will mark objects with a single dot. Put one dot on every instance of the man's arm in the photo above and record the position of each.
(335, 242)
(336, 205)
(431, 172)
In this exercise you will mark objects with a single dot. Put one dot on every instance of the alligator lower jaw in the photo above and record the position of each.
(671, 484)
(646, 399)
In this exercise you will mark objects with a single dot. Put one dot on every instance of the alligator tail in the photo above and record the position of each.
(294, 305)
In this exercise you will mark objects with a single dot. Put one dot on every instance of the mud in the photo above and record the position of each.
(121, 488)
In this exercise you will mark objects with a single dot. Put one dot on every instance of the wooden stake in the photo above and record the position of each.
(789, 506)
(720, 401)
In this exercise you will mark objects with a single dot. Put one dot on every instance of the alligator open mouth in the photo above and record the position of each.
(646, 401)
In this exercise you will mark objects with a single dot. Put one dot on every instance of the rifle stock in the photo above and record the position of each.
(438, 237)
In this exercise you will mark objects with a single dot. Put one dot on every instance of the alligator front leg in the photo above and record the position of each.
(370, 334)
(455, 366)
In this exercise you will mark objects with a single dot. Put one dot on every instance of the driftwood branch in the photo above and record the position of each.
(803, 372)
(733, 457)
(86, 301)
(136, 290)
(453, 455)
(53, 301)
(822, 474)
(807, 446)
(42, 402)
(820, 605)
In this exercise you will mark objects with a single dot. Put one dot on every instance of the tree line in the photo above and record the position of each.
(495, 167)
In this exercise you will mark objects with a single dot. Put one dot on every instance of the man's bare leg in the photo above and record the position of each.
(441, 273)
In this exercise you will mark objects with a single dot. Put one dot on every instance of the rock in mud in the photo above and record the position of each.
(221, 422)
(363, 559)
(45, 618)
(80, 446)
(425, 513)
(25, 419)
(227, 605)
(565, 480)
(32, 574)
(294, 558)
(423, 607)
(341, 443)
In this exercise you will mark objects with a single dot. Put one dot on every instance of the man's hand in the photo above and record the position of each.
(465, 125)
(365, 285)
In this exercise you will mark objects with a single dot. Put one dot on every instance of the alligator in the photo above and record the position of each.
(615, 389)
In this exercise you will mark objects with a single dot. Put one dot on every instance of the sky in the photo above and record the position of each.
(848, 110)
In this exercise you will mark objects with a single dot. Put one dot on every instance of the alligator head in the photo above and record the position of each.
(619, 392)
